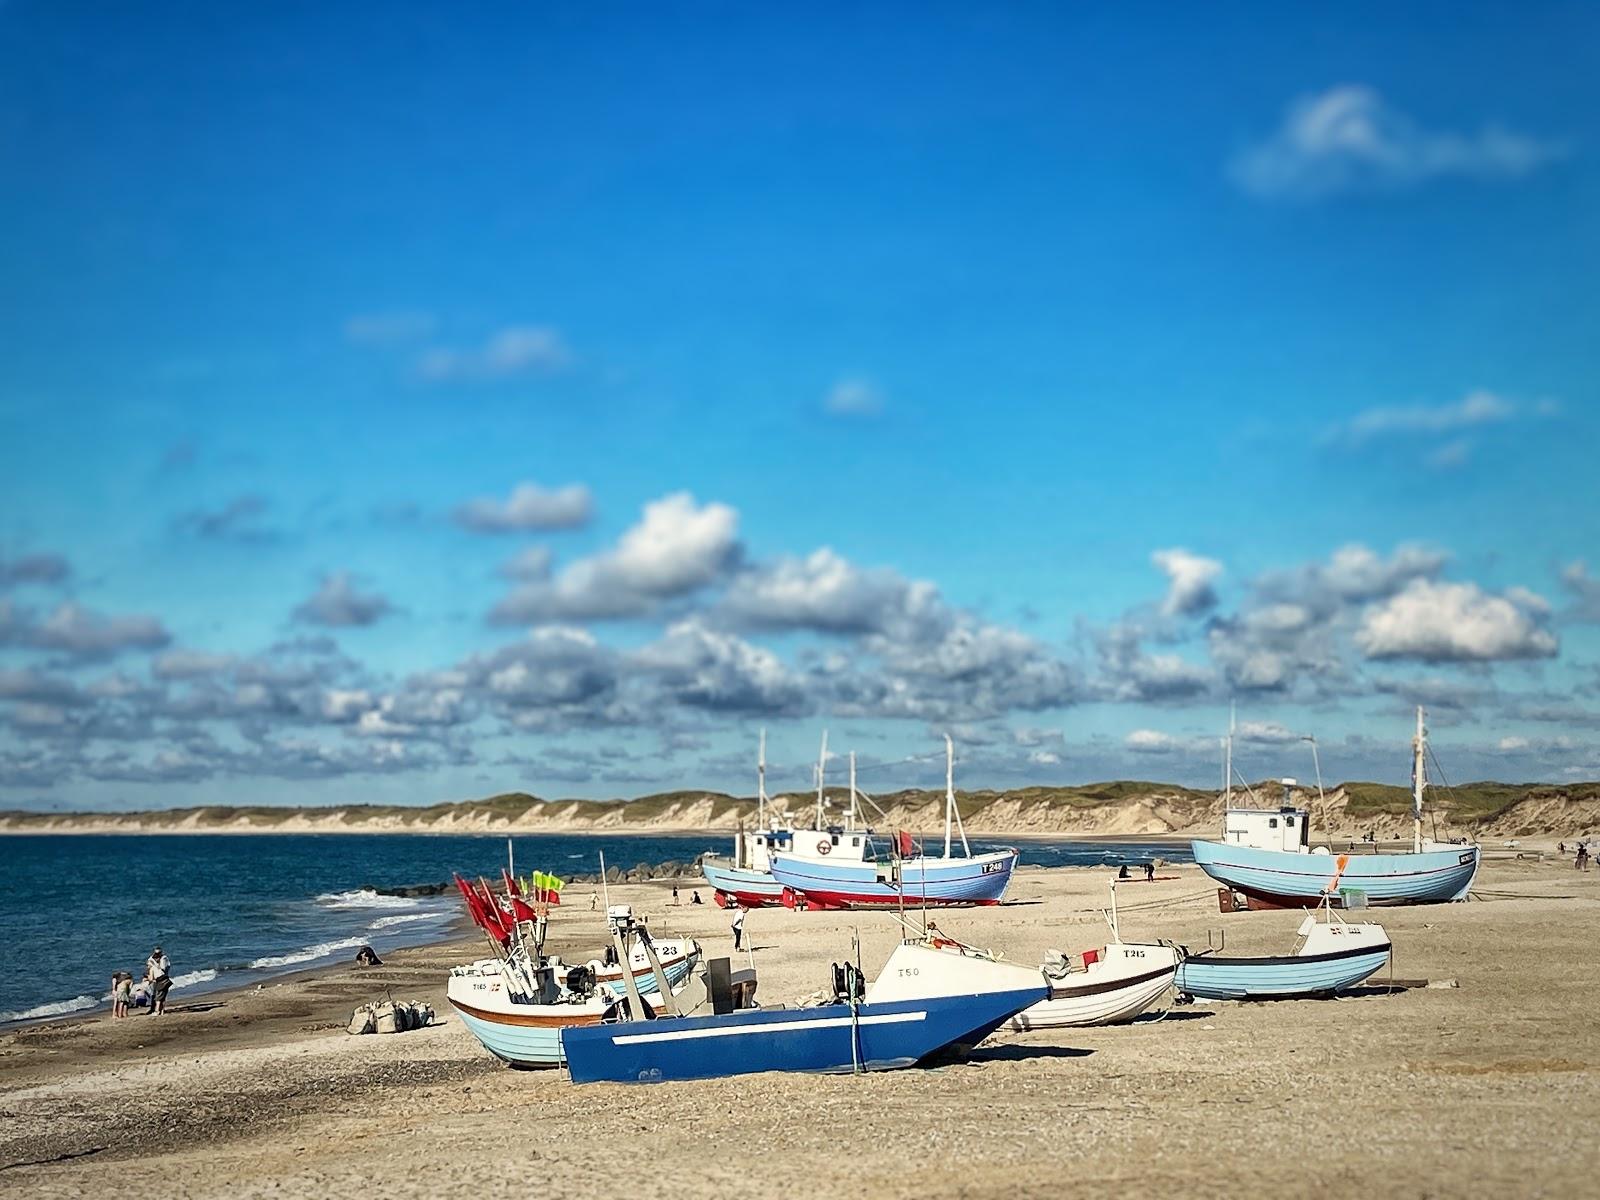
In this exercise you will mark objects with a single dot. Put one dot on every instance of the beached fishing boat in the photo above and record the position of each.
(1266, 854)
(1333, 956)
(839, 867)
(1107, 986)
(516, 1003)
(933, 995)
(745, 878)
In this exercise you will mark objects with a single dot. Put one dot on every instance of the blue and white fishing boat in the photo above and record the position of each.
(1266, 854)
(1333, 956)
(745, 879)
(933, 995)
(839, 867)
(517, 1005)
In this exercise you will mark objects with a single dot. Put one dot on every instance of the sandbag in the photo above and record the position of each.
(361, 1021)
(386, 1018)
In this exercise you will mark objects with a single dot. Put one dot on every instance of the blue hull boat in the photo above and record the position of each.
(979, 879)
(1296, 879)
(742, 886)
(964, 997)
(1332, 957)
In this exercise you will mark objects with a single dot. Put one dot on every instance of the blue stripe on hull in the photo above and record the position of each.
(1217, 979)
(524, 1045)
(959, 881)
(743, 882)
(1430, 877)
(898, 1034)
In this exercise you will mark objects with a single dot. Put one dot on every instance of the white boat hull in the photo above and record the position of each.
(1126, 981)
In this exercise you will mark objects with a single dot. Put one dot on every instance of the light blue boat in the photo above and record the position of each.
(1333, 957)
(1266, 853)
(1300, 879)
(978, 879)
(931, 996)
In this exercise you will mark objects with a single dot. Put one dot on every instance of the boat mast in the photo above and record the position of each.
(1227, 763)
(950, 809)
(822, 760)
(1419, 780)
(761, 784)
(850, 821)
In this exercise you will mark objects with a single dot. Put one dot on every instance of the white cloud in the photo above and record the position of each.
(826, 592)
(1189, 581)
(853, 398)
(1472, 411)
(677, 547)
(528, 507)
(513, 352)
(1455, 622)
(338, 602)
(1349, 139)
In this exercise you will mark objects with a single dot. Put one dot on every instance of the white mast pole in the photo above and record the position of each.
(822, 763)
(761, 784)
(1419, 780)
(949, 788)
(1227, 766)
(852, 790)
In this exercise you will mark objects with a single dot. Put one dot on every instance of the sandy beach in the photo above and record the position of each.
(1491, 1087)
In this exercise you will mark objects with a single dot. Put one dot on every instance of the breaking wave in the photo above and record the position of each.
(56, 1008)
(365, 898)
(304, 955)
(405, 919)
(190, 978)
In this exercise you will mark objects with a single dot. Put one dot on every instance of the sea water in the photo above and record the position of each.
(231, 909)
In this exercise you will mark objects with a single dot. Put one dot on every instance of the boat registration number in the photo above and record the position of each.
(1465, 859)
(993, 868)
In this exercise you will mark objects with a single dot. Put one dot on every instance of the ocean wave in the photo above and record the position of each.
(305, 955)
(406, 919)
(56, 1008)
(193, 977)
(365, 898)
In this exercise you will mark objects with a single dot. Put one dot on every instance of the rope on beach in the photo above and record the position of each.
(1169, 902)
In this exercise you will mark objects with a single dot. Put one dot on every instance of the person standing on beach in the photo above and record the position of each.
(158, 970)
(738, 927)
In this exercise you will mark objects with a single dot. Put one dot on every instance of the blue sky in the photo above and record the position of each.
(1052, 378)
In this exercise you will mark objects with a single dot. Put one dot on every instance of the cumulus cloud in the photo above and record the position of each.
(1128, 673)
(529, 507)
(515, 352)
(828, 593)
(33, 568)
(678, 546)
(338, 602)
(1349, 139)
(1455, 622)
(79, 632)
(190, 664)
(709, 669)
(1189, 581)
(853, 398)
(1584, 590)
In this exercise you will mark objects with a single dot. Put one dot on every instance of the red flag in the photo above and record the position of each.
(903, 840)
(1090, 957)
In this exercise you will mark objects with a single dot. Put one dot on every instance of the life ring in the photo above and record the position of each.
(824, 847)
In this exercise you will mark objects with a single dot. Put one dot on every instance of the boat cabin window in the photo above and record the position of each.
(1272, 822)
(855, 841)
(836, 839)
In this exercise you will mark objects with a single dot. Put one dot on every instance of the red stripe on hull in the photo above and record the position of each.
(843, 900)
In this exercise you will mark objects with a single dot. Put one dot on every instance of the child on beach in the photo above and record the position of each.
(121, 993)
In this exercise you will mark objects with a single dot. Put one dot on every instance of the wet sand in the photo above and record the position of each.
(1489, 1088)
